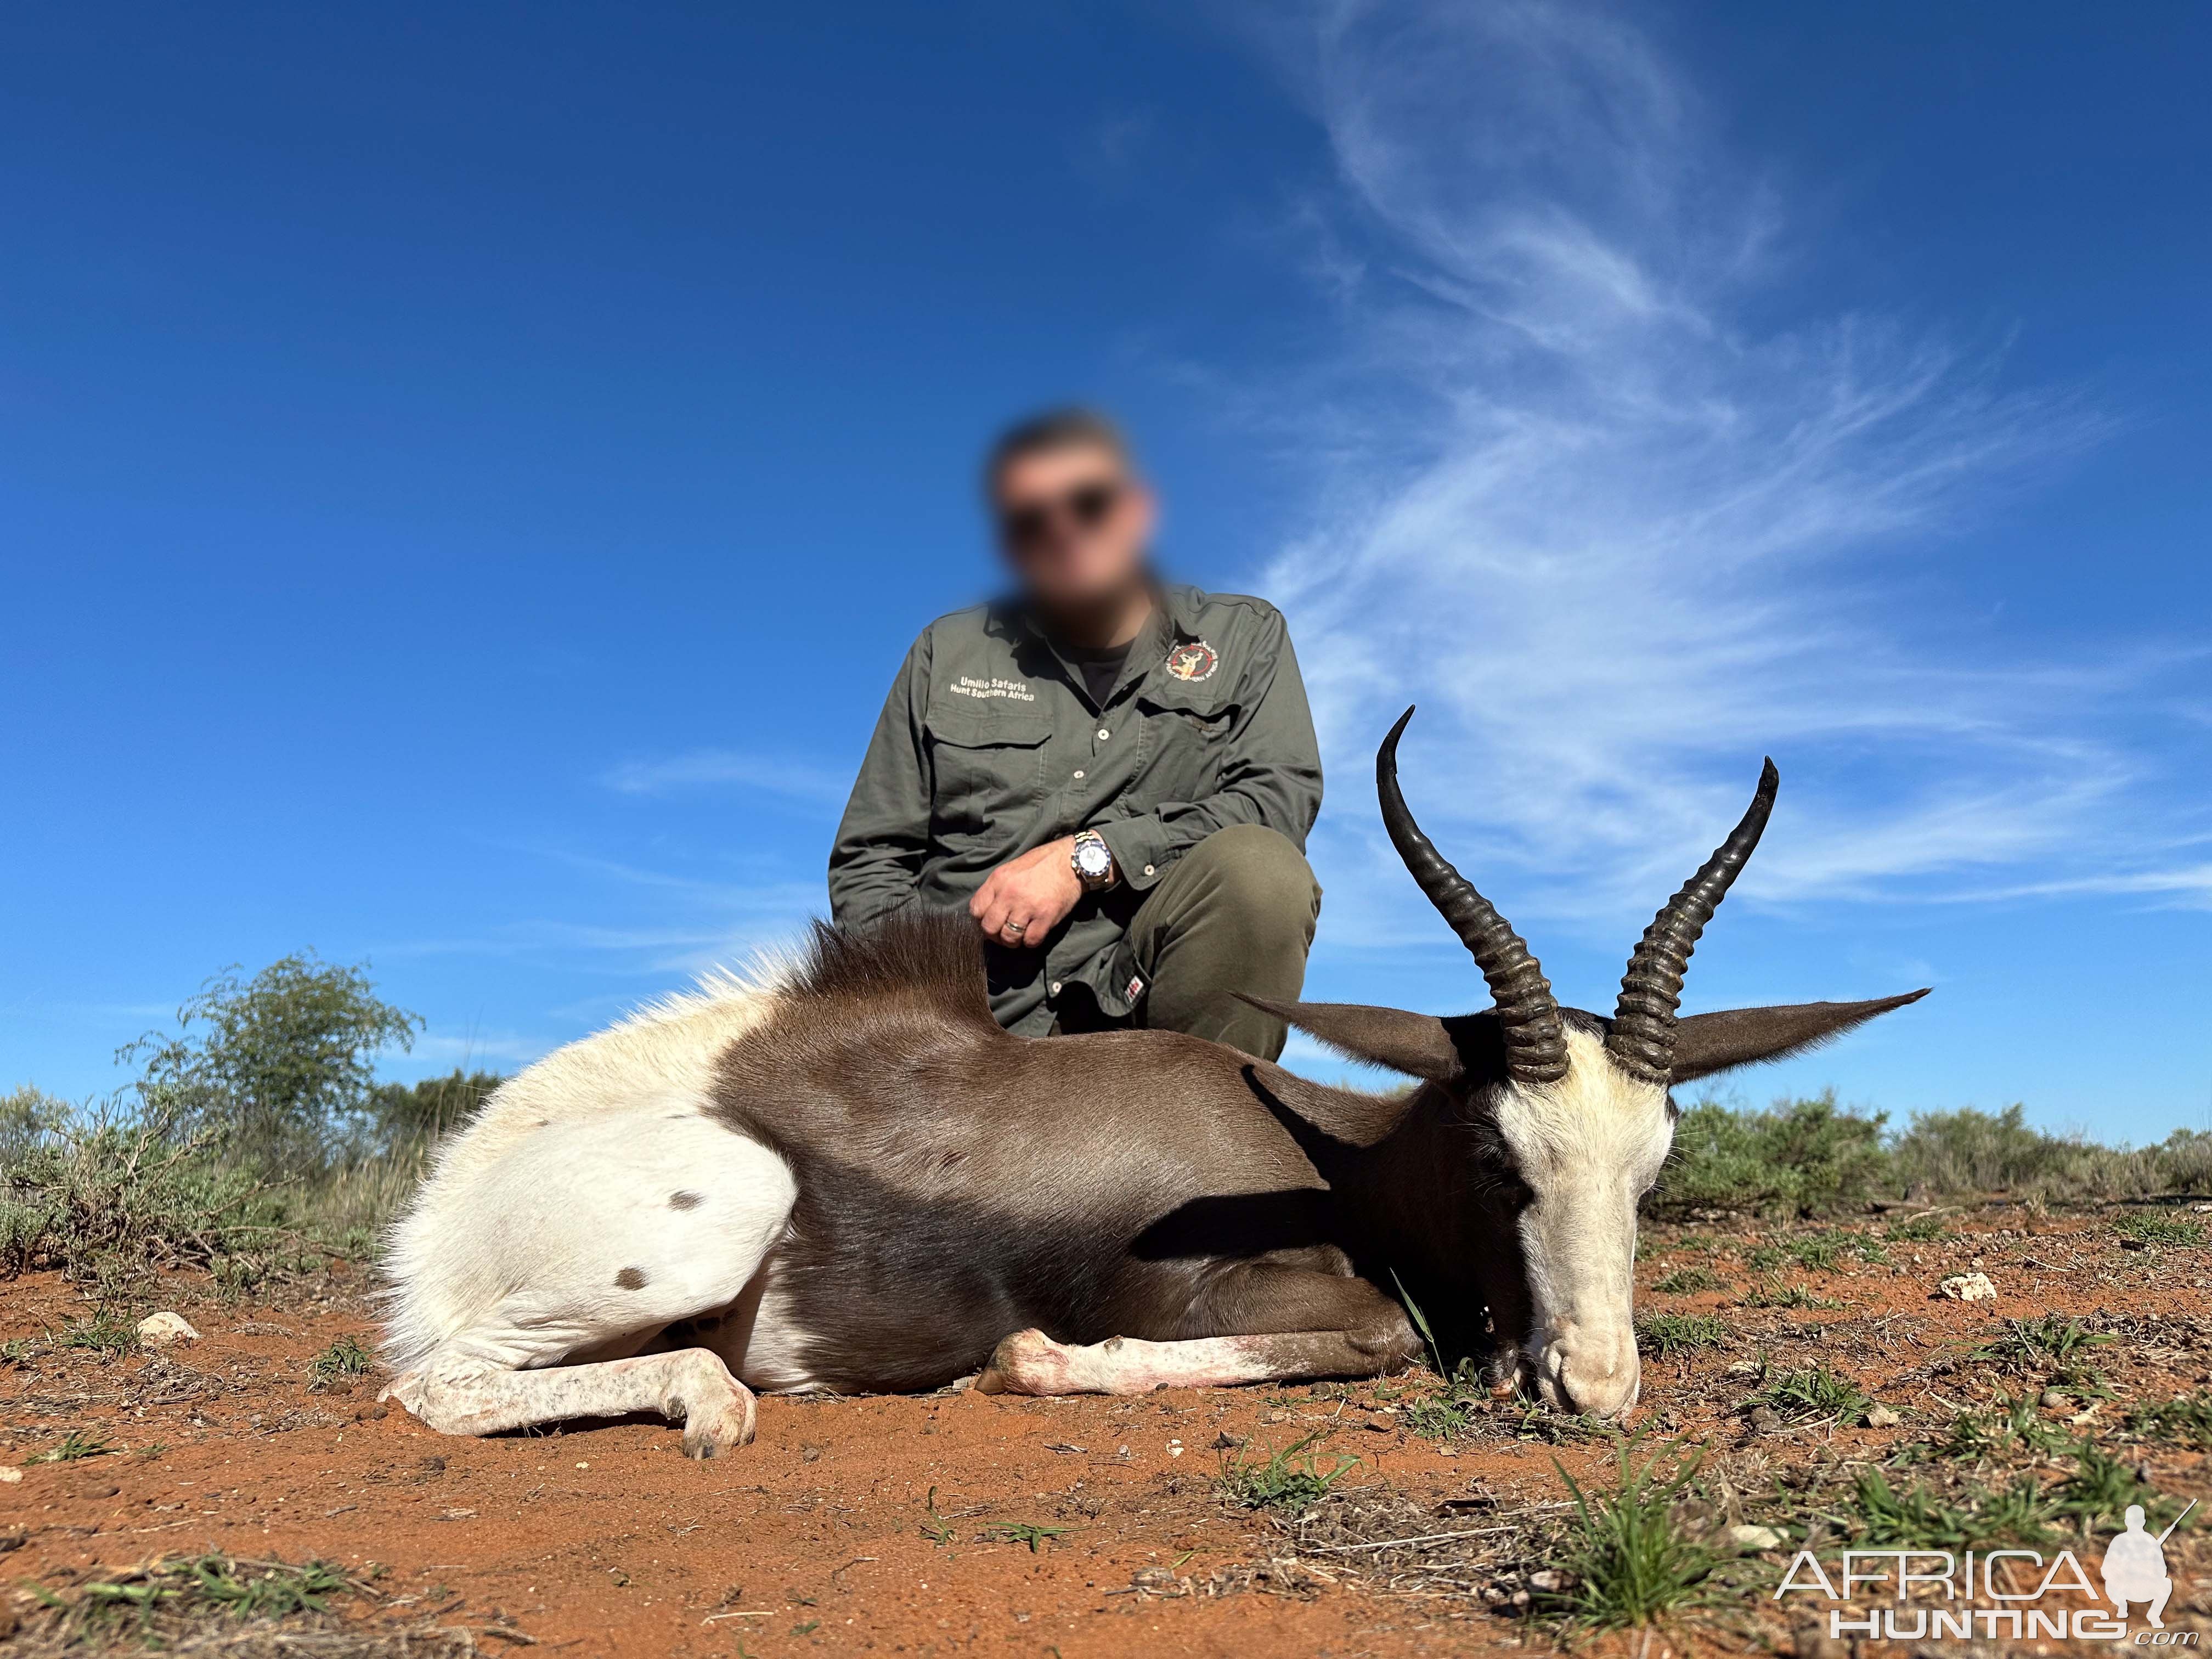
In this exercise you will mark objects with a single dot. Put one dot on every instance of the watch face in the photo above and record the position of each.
(1092, 859)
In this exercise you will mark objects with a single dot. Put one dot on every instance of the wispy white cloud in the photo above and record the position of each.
(2185, 887)
(728, 768)
(1622, 523)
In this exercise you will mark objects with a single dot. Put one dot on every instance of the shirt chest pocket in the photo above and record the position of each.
(987, 759)
(1185, 741)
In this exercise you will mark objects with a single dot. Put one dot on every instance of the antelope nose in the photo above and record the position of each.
(1599, 1385)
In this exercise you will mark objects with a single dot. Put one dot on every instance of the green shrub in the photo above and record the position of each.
(409, 1112)
(28, 1118)
(104, 1201)
(1811, 1158)
(1688, 1281)
(1974, 1152)
(1796, 1158)
(278, 1068)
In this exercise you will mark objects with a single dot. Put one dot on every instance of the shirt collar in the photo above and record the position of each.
(1179, 605)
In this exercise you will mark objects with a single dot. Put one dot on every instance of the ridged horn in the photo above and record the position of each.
(1535, 1040)
(1642, 1040)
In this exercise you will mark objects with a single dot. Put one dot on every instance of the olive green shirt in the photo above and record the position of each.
(989, 746)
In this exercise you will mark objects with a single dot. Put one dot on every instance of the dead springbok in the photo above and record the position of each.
(844, 1176)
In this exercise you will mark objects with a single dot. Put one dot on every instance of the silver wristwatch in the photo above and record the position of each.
(1093, 861)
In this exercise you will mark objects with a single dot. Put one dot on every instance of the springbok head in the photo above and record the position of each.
(1567, 1118)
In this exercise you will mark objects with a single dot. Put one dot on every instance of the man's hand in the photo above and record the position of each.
(1022, 900)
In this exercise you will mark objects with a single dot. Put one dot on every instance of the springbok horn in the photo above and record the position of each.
(1535, 1040)
(1642, 1040)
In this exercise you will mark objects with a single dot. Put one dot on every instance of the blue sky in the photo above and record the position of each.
(467, 474)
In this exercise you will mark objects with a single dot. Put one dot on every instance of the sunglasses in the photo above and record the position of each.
(1083, 508)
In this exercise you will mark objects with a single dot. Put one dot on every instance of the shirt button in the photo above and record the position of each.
(1055, 988)
(1078, 772)
(1148, 869)
(1104, 734)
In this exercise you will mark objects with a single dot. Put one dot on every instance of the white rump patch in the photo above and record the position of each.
(574, 1161)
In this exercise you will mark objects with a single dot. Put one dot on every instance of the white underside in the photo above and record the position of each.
(593, 1204)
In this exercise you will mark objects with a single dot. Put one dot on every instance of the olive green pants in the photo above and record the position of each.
(1236, 913)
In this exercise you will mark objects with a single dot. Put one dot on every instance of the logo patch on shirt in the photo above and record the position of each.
(970, 685)
(1193, 660)
(1136, 987)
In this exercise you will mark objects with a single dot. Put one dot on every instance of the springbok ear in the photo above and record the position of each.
(1706, 1044)
(1354, 1117)
(1416, 1044)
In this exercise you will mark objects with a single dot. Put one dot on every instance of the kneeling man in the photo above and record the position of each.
(1114, 777)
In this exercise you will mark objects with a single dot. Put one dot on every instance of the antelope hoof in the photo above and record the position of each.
(1028, 1362)
(718, 1417)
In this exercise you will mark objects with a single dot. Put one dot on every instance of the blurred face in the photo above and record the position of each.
(1075, 525)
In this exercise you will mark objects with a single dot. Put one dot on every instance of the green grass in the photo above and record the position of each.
(1289, 1479)
(2011, 1424)
(1923, 1517)
(2186, 1420)
(1812, 1391)
(1917, 1229)
(1966, 1515)
(1688, 1281)
(1628, 1563)
(936, 1528)
(75, 1445)
(343, 1359)
(2097, 1494)
(1664, 1333)
(1538, 1421)
(2152, 1228)
(1020, 1532)
(2051, 1342)
(162, 1599)
(109, 1334)
(1816, 1252)
(1452, 1410)
(1773, 1293)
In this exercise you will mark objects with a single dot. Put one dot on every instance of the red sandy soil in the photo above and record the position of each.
(825, 1536)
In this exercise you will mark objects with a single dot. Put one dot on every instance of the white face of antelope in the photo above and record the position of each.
(1587, 1147)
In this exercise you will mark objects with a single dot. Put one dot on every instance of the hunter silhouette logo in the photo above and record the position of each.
(2134, 1567)
(1193, 660)
(1993, 1594)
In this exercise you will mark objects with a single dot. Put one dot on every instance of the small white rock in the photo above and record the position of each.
(1880, 1417)
(9, 1474)
(1969, 1287)
(159, 1329)
(1754, 1538)
(1545, 1579)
